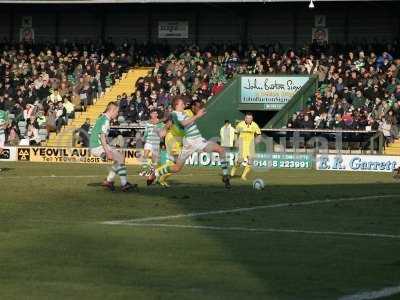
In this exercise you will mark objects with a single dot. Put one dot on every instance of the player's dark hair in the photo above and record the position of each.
(249, 114)
(195, 102)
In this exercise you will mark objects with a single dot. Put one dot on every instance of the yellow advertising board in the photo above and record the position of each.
(72, 155)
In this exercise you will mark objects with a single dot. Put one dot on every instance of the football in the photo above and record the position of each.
(258, 184)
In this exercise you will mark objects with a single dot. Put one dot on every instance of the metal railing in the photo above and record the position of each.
(328, 140)
(316, 130)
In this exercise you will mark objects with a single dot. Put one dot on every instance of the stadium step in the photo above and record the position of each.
(125, 85)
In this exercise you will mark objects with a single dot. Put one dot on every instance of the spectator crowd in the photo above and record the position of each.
(358, 91)
(42, 86)
(359, 84)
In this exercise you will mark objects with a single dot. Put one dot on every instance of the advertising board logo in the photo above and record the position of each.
(24, 154)
(5, 154)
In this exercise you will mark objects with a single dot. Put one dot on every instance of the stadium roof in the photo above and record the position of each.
(171, 1)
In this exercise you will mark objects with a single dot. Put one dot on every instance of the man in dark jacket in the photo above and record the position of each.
(84, 133)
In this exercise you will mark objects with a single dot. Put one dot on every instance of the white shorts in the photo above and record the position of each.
(2, 140)
(194, 145)
(154, 151)
(100, 152)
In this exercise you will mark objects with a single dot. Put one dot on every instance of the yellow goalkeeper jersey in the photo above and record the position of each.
(245, 142)
(247, 132)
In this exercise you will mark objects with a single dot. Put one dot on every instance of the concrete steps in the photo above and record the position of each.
(125, 85)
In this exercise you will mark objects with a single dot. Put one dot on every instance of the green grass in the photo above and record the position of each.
(53, 245)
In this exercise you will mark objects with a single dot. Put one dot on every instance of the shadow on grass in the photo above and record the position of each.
(117, 262)
(294, 266)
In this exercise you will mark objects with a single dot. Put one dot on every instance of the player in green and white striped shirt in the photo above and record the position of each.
(192, 141)
(153, 132)
(99, 147)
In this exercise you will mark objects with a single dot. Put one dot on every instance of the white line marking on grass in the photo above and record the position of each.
(385, 292)
(217, 228)
(245, 209)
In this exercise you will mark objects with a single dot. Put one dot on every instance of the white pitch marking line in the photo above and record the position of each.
(244, 209)
(383, 293)
(217, 228)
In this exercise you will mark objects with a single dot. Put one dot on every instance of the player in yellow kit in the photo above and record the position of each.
(246, 132)
(173, 144)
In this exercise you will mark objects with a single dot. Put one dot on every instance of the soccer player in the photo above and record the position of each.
(173, 146)
(174, 139)
(99, 147)
(192, 141)
(246, 132)
(153, 132)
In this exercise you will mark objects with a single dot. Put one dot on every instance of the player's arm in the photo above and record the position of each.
(162, 133)
(193, 119)
(257, 134)
(106, 147)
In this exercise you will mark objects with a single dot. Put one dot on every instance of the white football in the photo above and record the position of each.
(258, 184)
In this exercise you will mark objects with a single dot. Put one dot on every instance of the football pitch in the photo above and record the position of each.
(308, 235)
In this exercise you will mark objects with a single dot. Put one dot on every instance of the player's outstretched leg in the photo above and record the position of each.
(235, 168)
(213, 147)
(159, 172)
(166, 169)
(146, 163)
(224, 167)
(163, 179)
(246, 172)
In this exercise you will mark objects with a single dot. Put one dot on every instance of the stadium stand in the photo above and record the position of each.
(359, 84)
(43, 86)
(122, 86)
(359, 89)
